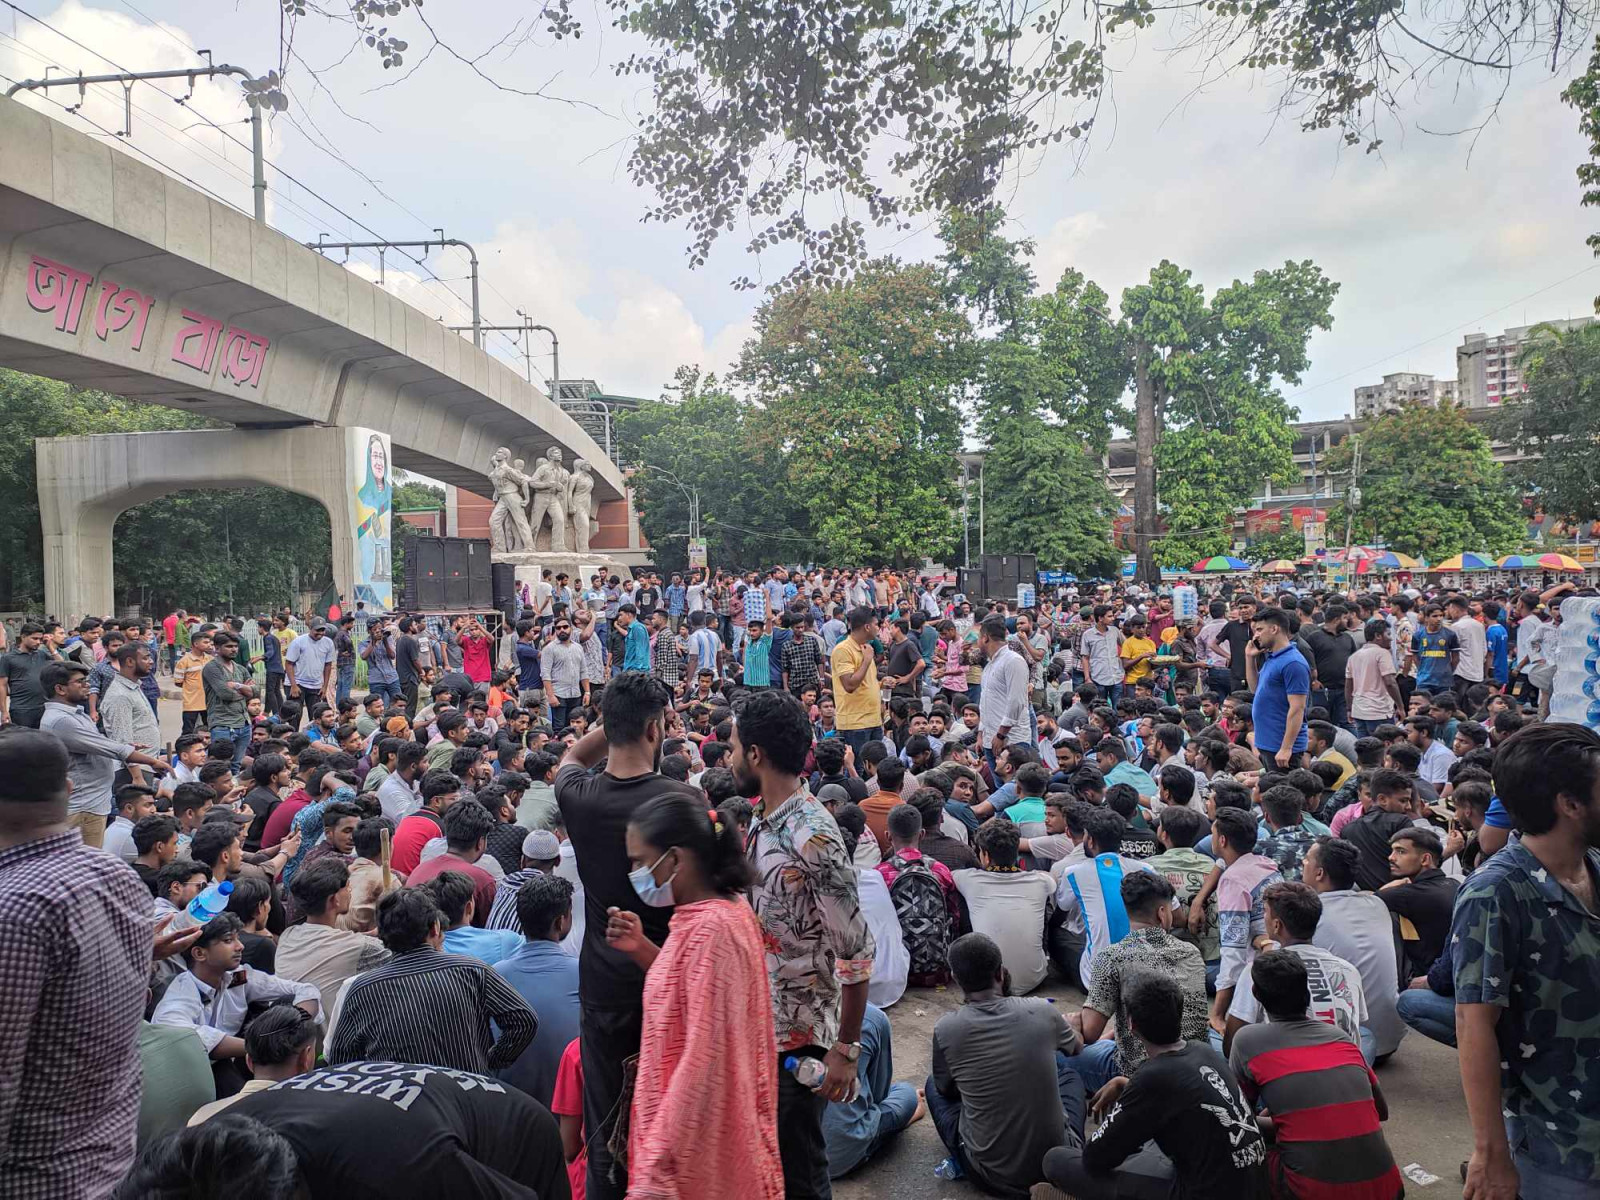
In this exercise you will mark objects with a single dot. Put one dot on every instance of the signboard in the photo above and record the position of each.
(1584, 553)
(370, 483)
(697, 553)
(1316, 537)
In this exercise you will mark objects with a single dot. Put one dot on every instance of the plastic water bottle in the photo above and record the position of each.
(949, 1169)
(210, 902)
(808, 1071)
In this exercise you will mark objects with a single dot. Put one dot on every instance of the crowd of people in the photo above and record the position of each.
(613, 904)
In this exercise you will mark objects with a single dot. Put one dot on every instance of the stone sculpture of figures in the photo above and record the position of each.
(580, 501)
(549, 484)
(508, 523)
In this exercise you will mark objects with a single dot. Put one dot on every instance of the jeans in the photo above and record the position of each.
(274, 692)
(856, 1131)
(1366, 728)
(390, 691)
(1219, 680)
(608, 1037)
(946, 1115)
(561, 710)
(801, 1146)
(346, 680)
(974, 694)
(1537, 1181)
(1430, 1014)
(1096, 1065)
(1333, 700)
(857, 739)
(239, 736)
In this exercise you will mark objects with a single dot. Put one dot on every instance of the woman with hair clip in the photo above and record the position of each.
(705, 1099)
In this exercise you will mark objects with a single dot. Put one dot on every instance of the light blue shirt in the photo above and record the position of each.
(485, 945)
(547, 978)
(636, 648)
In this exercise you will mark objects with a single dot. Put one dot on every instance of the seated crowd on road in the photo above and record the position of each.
(615, 904)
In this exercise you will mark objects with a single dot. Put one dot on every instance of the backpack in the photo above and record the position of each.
(919, 906)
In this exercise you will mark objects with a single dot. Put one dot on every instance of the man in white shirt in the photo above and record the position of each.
(1008, 905)
(1089, 892)
(1437, 758)
(397, 794)
(1358, 928)
(1100, 652)
(891, 964)
(1003, 703)
(134, 803)
(1474, 643)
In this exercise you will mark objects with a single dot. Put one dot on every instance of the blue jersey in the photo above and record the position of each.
(1090, 895)
(1499, 646)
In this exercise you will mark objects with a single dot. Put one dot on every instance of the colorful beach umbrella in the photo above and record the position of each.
(1393, 560)
(1221, 562)
(1466, 562)
(1558, 562)
(1278, 566)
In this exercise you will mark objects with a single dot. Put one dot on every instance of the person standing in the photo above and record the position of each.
(858, 714)
(1526, 947)
(229, 686)
(596, 808)
(344, 662)
(125, 714)
(1281, 679)
(310, 659)
(1473, 658)
(706, 1093)
(1331, 648)
(22, 700)
(1435, 651)
(93, 761)
(819, 948)
(75, 945)
(408, 662)
(566, 681)
(1100, 651)
(1003, 702)
(1370, 683)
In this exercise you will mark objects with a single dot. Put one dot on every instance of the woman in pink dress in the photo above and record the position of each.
(705, 1102)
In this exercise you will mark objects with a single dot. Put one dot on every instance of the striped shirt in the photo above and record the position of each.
(1320, 1092)
(428, 1007)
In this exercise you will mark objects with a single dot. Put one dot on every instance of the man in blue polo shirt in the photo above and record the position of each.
(635, 639)
(1281, 679)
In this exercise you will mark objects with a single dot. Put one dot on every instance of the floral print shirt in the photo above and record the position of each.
(812, 928)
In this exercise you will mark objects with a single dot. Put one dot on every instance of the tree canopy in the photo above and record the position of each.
(1429, 486)
(1556, 423)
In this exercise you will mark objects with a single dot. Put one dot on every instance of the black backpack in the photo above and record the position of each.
(919, 906)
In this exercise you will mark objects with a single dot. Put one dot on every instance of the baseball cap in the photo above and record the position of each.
(833, 793)
(541, 845)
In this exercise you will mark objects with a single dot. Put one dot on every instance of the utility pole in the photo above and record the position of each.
(555, 355)
(427, 244)
(1352, 498)
(527, 353)
(128, 78)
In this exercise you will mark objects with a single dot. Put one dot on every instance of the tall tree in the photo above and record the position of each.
(701, 435)
(1556, 423)
(32, 407)
(1049, 375)
(1429, 486)
(1583, 95)
(860, 385)
(1209, 422)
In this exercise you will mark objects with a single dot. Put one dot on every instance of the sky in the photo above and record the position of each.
(1432, 237)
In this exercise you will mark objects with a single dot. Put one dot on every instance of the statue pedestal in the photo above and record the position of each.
(531, 564)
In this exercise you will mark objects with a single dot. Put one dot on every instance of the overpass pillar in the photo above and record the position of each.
(85, 483)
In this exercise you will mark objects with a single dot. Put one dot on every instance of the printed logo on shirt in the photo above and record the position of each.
(399, 1083)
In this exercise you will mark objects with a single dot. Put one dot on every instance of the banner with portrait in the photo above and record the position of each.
(371, 516)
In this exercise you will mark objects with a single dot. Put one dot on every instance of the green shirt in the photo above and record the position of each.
(177, 1080)
(224, 706)
(439, 754)
(1187, 869)
(758, 661)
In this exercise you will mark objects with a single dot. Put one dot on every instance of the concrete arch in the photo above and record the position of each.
(85, 483)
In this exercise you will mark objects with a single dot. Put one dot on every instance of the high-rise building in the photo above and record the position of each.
(1487, 370)
(1402, 388)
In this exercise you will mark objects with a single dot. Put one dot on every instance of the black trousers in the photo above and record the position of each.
(608, 1037)
(800, 1142)
(274, 696)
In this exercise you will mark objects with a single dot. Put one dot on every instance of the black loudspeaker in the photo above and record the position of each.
(969, 581)
(425, 573)
(506, 599)
(457, 577)
(1027, 570)
(480, 576)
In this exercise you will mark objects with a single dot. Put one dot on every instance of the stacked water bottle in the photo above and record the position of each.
(1575, 696)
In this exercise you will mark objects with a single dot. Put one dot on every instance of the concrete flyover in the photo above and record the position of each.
(85, 483)
(116, 277)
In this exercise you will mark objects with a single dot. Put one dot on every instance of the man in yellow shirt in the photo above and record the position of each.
(1137, 651)
(187, 676)
(858, 707)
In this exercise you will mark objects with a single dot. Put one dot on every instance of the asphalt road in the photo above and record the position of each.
(1427, 1116)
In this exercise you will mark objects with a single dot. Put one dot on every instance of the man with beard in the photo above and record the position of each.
(596, 808)
(1526, 946)
(566, 684)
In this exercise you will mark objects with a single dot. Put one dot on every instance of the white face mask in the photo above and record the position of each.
(656, 895)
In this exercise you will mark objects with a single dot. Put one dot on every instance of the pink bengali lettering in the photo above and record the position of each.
(199, 327)
(121, 308)
(58, 288)
(243, 355)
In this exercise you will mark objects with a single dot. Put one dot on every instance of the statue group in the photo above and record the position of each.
(523, 502)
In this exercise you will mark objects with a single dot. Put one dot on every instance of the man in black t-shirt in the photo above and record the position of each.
(1184, 1099)
(1237, 634)
(1330, 646)
(1370, 833)
(596, 808)
(365, 1129)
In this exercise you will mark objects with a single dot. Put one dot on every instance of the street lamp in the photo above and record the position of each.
(692, 495)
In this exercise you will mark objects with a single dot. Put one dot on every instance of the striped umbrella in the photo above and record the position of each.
(1220, 562)
(1278, 566)
(1393, 560)
(1466, 562)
